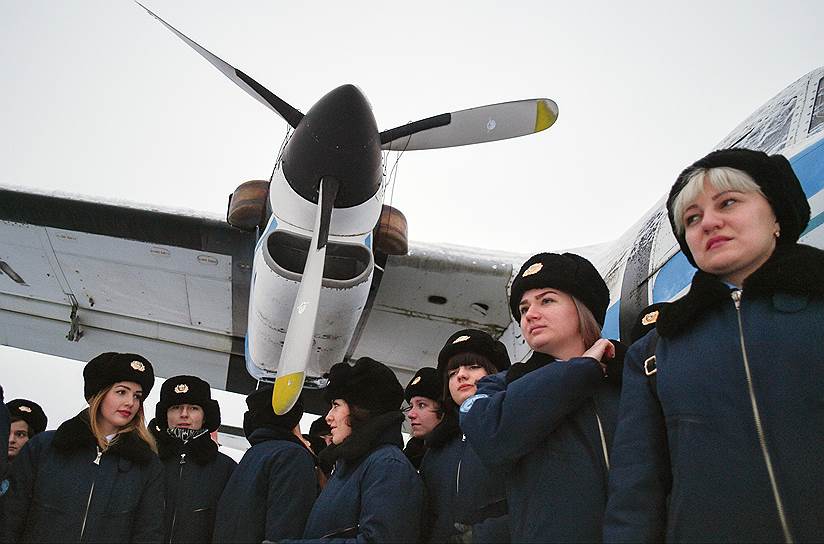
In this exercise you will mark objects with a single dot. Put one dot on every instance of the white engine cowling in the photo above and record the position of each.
(280, 257)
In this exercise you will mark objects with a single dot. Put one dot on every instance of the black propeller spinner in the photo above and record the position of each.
(338, 137)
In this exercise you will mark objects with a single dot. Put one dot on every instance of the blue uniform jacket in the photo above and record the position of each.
(549, 429)
(461, 489)
(271, 491)
(61, 491)
(195, 474)
(374, 494)
(732, 404)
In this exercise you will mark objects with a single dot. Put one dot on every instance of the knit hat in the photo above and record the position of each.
(425, 383)
(261, 413)
(569, 273)
(30, 412)
(473, 341)
(187, 390)
(109, 368)
(367, 384)
(772, 173)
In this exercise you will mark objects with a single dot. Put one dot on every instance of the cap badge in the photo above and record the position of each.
(24, 408)
(416, 380)
(650, 318)
(137, 365)
(534, 269)
(463, 338)
(181, 388)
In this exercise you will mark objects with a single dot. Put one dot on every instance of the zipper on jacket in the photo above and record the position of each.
(736, 298)
(458, 474)
(601, 433)
(91, 492)
(179, 478)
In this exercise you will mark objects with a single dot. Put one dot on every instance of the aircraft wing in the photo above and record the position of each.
(429, 294)
(81, 277)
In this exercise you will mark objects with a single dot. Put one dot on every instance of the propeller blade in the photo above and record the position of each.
(255, 89)
(297, 347)
(473, 126)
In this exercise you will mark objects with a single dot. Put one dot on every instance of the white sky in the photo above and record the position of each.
(98, 98)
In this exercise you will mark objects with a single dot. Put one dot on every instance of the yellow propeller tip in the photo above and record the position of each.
(545, 115)
(286, 392)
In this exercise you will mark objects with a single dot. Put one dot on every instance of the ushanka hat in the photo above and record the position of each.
(425, 383)
(367, 384)
(772, 173)
(473, 341)
(30, 412)
(187, 390)
(566, 272)
(261, 413)
(109, 368)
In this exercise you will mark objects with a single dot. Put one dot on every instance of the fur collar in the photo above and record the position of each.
(76, 434)
(265, 433)
(446, 430)
(795, 269)
(381, 429)
(202, 450)
(535, 361)
(615, 366)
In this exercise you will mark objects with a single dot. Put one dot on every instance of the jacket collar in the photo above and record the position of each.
(377, 431)
(445, 431)
(535, 361)
(796, 269)
(202, 450)
(76, 434)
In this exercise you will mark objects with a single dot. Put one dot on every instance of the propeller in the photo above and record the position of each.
(258, 91)
(298, 344)
(473, 126)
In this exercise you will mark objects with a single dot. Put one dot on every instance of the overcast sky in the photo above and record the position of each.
(98, 98)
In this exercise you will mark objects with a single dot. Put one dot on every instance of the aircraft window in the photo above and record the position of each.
(769, 134)
(817, 121)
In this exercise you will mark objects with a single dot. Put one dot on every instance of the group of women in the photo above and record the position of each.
(709, 428)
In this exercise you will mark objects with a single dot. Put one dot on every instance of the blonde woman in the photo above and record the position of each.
(549, 421)
(97, 478)
(727, 444)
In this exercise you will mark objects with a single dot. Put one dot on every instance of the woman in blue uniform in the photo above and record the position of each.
(721, 431)
(374, 494)
(549, 421)
(96, 478)
(195, 471)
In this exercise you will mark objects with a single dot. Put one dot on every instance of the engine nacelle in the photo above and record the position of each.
(280, 258)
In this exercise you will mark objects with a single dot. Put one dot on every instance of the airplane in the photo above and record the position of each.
(177, 287)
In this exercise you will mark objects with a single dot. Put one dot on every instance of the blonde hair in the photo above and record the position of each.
(137, 424)
(722, 178)
(588, 327)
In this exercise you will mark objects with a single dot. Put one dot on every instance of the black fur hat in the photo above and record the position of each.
(30, 412)
(772, 173)
(367, 384)
(109, 368)
(425, 383)
(187, 390)
(567, 272)
(473, 341)
(261, 413)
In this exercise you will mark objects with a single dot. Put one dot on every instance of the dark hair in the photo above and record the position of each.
(358, 416)
(462, 359)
